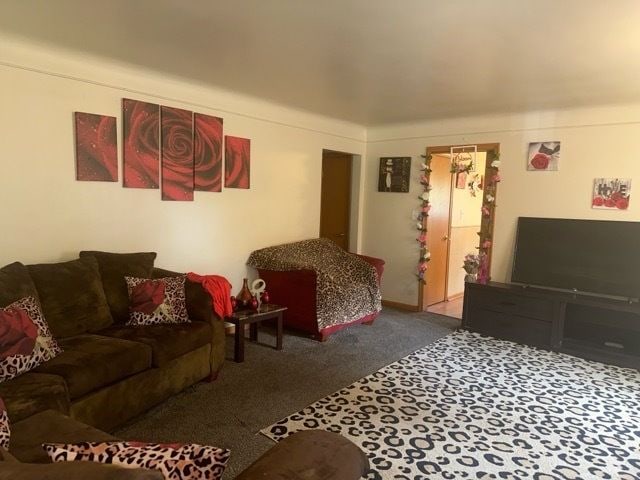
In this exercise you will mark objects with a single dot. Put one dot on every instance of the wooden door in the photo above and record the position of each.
(438, 225)
(335, 205)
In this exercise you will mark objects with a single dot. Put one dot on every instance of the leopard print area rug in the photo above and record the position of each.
(472, 407)
(347, 286)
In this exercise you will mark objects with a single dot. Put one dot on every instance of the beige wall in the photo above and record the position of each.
(47, 216)
(595, 142)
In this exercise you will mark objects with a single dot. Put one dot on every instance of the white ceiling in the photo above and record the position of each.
(367, 61)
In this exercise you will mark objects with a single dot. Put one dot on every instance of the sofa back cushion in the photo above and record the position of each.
(15, 283)
(72, 297)
(113, 268)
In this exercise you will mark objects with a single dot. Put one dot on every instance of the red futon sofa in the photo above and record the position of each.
(298, 288)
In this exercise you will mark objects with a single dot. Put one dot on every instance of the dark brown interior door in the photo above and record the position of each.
(435, 286)
(335, 206)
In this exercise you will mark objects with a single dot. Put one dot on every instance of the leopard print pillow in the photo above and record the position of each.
(25, 338)
(175, 461)
(157, 301)
(5, 431)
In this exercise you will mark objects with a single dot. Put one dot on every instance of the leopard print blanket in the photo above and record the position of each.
(347, 286)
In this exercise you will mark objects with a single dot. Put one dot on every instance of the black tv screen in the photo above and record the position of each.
(590, 256)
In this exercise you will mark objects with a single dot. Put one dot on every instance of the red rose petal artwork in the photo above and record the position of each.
(237, 157)
(543, 156)
(177, 153)
(611, 193)
(207, 153)
(96, 148)
(141, 136)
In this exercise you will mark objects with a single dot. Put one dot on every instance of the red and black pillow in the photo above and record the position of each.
(157, 301)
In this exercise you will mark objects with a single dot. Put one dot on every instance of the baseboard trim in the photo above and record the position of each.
(400, 306)
(455, 297)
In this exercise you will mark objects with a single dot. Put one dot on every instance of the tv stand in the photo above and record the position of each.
(602, 329)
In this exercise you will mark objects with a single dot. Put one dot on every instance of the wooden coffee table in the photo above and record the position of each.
(253, 318)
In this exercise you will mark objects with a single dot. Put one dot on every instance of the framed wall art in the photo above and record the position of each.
(394, 174)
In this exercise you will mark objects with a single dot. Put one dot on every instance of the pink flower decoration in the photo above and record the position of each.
(486, 244)
(486, 212)
(496, 178)
(426, 209)
(422, 238)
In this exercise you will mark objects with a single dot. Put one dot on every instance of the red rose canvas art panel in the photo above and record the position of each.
(237, 158)
(207, 153)
(177, 154)
(96, 148)
(543, 156)
(611, 193)
(141, 136)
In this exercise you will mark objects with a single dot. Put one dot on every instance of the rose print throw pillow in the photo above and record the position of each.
(25, 338)
(157, 301)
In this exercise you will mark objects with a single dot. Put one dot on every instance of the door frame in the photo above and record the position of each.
(489, 148)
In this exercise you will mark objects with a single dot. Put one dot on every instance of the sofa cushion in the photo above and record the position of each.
(32, 392)
(113, 268)
(166, 341)
(25, 339)
(50, 426)
(72, 297)
(90, 362)
(15, 283)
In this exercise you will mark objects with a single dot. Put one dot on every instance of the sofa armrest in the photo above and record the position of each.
(312, 455)
(200, 309)
(377, 263)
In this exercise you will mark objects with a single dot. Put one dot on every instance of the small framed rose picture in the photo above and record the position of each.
(611, 193)
(543, 156)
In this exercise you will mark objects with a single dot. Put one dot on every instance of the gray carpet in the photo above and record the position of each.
(270, 385)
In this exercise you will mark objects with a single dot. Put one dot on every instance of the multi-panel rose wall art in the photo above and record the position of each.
(141, 137)
(96, 148)
(167, 148)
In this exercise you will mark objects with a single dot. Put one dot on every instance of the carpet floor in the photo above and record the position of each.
(473, 407)
(270, 385)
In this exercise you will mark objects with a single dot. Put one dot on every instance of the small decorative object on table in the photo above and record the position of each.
(265, 297)
(257, 287)
(234, 303)
(471, 265)
(243, 298)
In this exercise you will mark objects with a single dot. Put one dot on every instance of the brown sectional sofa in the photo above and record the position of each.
(110, 373)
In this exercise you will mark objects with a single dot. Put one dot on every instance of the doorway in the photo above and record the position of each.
(335, 203)
(456, 223)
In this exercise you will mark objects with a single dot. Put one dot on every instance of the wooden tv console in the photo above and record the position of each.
(596, 328)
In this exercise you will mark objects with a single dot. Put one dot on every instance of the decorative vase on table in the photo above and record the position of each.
(244, 297)
(471, 277)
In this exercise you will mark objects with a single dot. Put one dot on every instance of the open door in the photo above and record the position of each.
(435, 286)
(335, 204)
(445, 239)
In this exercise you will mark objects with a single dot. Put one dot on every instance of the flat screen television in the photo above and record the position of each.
(589, 256)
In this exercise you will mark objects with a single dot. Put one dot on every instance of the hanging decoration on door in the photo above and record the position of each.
(421, 225)
(492, 176)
